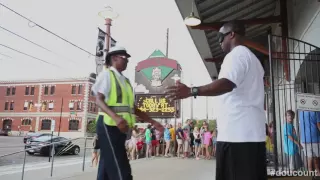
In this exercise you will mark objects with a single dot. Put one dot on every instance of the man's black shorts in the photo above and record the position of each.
(241, 161)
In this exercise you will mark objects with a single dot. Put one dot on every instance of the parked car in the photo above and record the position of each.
(33, 135)
(62, 146)
(4, 132)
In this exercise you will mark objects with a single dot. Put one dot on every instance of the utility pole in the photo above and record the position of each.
(207, 113)
(191, 106)
(175, 107)
(181, 101)
(167, 46)
(61, 110)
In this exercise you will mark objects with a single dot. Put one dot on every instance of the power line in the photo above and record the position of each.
(29, 55)
(35, 24)
(5, 55)
(33, 43)
(34, 58)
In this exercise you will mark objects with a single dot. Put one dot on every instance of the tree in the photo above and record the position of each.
(91, 127)
(212, 123)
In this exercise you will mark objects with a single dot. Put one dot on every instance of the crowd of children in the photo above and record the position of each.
(198, 141)
(189, 141)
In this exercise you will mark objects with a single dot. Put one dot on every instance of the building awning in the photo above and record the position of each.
(257, 15)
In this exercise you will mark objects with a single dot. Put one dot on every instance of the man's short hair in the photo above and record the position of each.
(236, 27)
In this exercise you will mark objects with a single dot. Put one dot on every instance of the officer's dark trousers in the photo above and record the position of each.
(114, 163)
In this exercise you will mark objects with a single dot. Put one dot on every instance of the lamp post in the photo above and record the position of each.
(108, 15)
(175, 78)
(191, 106)
(207, 113)
(61, 110)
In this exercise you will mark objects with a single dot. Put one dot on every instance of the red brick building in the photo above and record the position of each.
(34, 105)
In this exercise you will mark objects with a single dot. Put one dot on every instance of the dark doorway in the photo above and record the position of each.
(7, 124)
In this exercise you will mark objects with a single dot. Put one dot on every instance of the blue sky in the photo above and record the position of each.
(140, 28)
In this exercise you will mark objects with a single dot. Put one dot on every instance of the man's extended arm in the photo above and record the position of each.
(231, 75)
(216, 88)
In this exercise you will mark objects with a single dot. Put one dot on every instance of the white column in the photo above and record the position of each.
(85, 108)
(38, 108)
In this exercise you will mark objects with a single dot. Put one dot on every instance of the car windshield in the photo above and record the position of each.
(33, 134)
(44, 138)
(29, 134)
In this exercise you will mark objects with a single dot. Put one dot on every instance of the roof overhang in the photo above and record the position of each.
(258, 16)
(199, 37)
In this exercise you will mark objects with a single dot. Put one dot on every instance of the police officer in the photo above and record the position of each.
(115, 98)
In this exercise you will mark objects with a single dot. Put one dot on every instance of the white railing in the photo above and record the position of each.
(52, 153)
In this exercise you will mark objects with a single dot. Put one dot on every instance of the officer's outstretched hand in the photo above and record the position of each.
(122, 125)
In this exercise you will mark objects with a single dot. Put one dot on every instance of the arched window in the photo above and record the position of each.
(26, 122)
(307, 79)
(46, 124)
(73, 125)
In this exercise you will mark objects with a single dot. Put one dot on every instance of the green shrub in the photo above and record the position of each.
(212, 123)
(92, 127)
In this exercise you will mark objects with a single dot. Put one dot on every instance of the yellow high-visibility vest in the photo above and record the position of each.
(121, 101)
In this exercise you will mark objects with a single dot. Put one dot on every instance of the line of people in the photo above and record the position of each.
(184, 142)
(197, 142)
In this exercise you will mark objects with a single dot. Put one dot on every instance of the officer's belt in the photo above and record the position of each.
(122, 109)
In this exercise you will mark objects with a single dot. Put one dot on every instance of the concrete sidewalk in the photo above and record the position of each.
(143, 169)
(159, 169)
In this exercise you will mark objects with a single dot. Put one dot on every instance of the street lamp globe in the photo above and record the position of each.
(192, 20)
(108, 13)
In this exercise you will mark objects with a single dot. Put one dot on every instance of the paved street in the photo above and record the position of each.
(14, 144)
(69, 167)
(143, 169)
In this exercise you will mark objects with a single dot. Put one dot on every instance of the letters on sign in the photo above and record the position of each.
(155, 105)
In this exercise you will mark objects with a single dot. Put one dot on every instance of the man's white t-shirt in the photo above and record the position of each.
(103, 82)
(241, 116)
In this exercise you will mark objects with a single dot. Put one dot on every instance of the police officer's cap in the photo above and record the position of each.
(116, 50)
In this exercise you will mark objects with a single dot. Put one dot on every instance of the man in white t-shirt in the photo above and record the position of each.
(241, 152)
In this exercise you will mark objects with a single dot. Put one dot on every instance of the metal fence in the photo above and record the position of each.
(87, 145)
(52, 153)
(292, 89)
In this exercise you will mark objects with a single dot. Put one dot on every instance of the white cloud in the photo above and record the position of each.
(141, 89)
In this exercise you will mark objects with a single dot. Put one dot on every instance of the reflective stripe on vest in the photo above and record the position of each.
(121, 101)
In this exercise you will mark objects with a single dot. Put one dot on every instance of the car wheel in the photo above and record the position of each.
(76, 150)
(30, 153)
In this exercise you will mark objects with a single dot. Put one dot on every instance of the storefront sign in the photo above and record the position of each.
(308, 102)
(155, 105)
